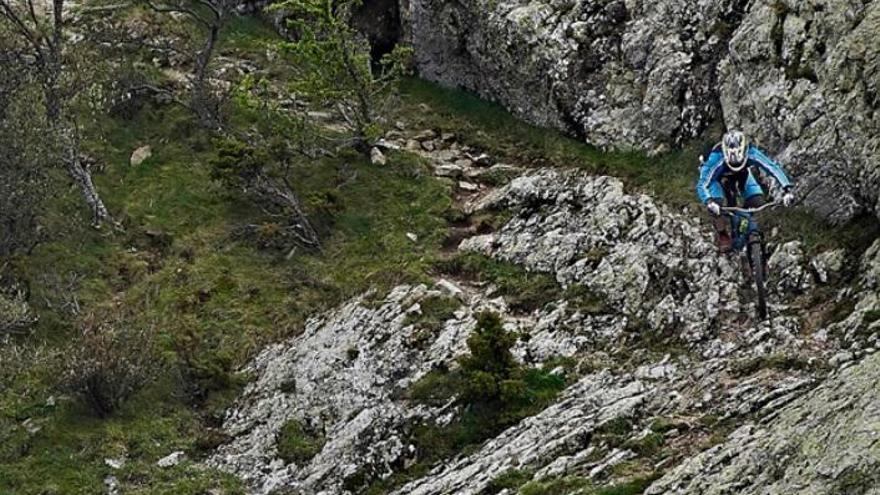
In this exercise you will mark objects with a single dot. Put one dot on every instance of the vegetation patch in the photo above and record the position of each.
(523, 290)
(576, 485)
(780, 362)
(509, 480)
(298, 444)
(582, 298)
(646, 446)
(434, 311)
(871, 316)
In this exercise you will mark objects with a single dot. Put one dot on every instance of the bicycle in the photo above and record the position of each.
(748, 239)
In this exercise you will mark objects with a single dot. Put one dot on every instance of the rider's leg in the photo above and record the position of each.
(721, 222)
(753, 193)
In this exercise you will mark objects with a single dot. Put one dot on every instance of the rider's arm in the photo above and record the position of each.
(708, 174)
(769, 167)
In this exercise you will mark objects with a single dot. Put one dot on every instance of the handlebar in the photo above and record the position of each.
(736, 209)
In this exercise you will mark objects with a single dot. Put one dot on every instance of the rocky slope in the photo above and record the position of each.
(823, 443)
(800, 77)
(669, 342)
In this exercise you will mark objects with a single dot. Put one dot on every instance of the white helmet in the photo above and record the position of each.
(734, 145)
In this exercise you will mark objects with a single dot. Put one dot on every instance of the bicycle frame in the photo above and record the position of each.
(743, 225)
(747, 239)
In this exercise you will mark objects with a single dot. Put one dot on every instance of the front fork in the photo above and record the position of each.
(755, 241)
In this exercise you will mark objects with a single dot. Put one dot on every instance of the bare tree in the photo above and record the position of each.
(36, 42)
(211, 16)
(263, 172)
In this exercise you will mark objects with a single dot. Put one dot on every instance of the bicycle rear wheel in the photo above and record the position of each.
(756, 260)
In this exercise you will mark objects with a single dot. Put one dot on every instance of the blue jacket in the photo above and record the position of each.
(714, 168)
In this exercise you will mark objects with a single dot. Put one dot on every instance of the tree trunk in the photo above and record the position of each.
(82, 177)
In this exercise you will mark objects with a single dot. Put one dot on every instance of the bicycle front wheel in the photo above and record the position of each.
(756, 260)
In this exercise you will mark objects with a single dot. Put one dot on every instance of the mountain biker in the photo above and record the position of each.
(726, 174)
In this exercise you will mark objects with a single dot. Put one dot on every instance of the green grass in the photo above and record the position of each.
(434, 311)
(67, 455)
(179, 264)
(524, 291)
(214, 298)
(510, 480)
(576, 485)
(871, 316)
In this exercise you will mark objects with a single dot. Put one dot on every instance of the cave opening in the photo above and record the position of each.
(379, 21)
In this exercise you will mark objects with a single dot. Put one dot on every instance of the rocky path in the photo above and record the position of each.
(672, 341)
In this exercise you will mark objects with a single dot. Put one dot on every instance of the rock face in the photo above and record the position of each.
(665, 335)
(559, 431)
(596, 69)
(645, 261)
(801, 77)
(338, 378)
(824, 443)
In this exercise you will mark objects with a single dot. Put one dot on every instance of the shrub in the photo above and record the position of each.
(15, 314)
(509, 480)
(297, 443)
(492, 390)
(205, 363)
(490, 371)
(108, 362)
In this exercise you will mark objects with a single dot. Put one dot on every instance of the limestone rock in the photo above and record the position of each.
(140, 155)
(377, 157)
(824, 443)
(171, 459)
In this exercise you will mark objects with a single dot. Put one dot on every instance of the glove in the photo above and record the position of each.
(787, 199)
(714, 208)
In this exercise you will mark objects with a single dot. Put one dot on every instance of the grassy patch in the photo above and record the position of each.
(780, 362)
(646, 446)
(489, 126)
(297, 444)
(524, 291)
(509, 480)
(435, 311)
(214, 298)
(582, 299)
(67, 454)
(576, 485)
(871, 316)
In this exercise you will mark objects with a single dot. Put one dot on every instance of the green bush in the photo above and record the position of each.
(108, 362)
(491, 388)
(298, 444)
(509, 480)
